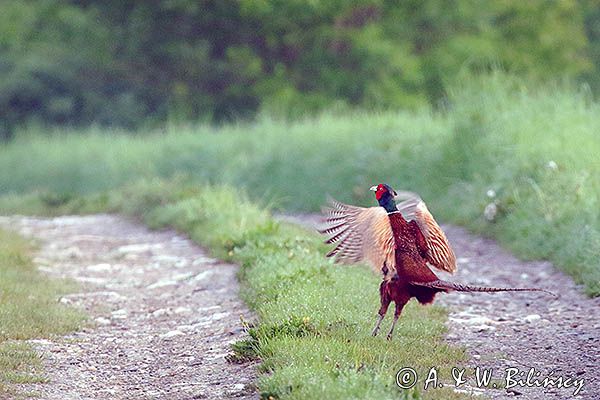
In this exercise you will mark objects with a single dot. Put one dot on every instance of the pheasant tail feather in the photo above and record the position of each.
(452, 286)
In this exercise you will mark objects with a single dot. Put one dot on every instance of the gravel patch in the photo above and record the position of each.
(163, 314)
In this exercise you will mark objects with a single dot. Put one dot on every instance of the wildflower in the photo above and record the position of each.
(490, 211)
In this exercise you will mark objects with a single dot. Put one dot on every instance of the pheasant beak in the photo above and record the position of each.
(373, 188)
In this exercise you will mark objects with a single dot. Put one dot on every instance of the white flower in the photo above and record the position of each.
(491, 193)
(490, 211)
(552, 165)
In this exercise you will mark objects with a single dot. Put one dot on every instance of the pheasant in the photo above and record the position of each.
(400, 242)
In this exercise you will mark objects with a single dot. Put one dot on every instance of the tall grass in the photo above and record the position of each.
(531, 152)
(534, 154)
(297, 163)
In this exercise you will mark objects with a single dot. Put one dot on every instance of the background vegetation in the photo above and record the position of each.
(530, 156)
(131, 63)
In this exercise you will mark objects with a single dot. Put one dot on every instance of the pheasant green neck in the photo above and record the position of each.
(388, 203)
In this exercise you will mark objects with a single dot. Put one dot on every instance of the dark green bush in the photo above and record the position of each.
(130, 62)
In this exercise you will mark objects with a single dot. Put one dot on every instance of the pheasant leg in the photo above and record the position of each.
(385, 303)
(377, 325)
(399, 307)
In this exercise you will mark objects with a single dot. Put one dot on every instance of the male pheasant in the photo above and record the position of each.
(399, 241)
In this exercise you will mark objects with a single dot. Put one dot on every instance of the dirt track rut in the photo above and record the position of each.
(163, 313)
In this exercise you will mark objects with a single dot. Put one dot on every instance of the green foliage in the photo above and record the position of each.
(130, 62)
(536, 149)
(55, 61)
(315, 317)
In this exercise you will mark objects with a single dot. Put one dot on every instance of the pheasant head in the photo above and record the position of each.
(385, 196)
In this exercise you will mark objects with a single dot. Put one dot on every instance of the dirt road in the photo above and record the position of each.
(163, 313)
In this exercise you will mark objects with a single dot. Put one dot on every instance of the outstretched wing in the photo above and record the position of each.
(438, 252)
(360, 234)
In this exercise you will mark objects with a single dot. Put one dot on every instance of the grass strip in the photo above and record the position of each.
(29, 309)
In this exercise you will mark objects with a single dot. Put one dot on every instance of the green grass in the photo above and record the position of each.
(315, 317)
(29, 309)
(536, 148)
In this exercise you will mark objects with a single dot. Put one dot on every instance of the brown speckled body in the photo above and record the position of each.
(410, 263)
(411, 266)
